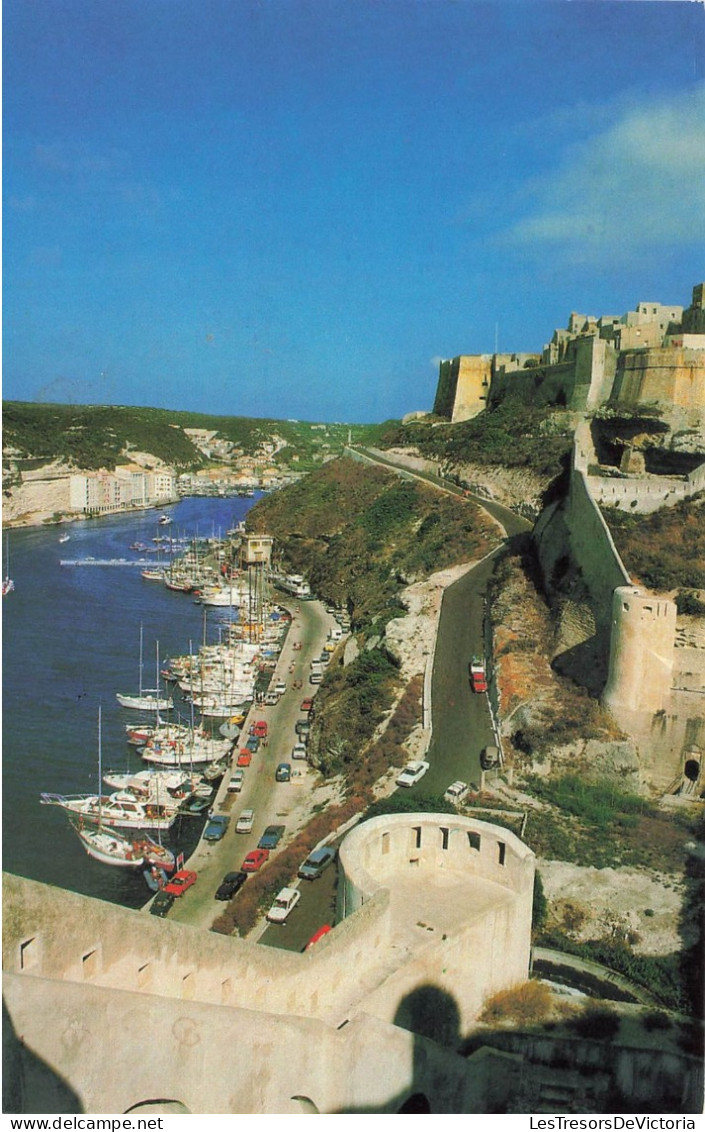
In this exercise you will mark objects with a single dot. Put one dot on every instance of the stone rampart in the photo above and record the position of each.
(669, 377)
(420, 949)
(578, 528)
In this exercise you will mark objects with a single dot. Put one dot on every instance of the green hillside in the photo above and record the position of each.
(512, 435)
(99, 436)
(361, 533)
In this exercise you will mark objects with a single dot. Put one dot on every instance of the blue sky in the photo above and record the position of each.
(295, 208)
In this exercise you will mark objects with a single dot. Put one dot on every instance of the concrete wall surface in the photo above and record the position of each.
(108, 1008)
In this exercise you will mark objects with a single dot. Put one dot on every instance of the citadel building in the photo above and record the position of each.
(635, 385)
(653, 355)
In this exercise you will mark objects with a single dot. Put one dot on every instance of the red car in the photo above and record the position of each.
(317, 935)
(181, 881)
(244, 758)
(306, 705)
(254, 860)
(260, 729)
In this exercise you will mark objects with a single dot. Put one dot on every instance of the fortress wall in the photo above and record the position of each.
(446, 388)
(89, 941)
(641, 651)
(489, 953)
(639, 495)
(473, 384)
(577, 383)
(63, 1057)
(672, 377)
(489, 950)
(696, 480)
(589, 543)
(376, 850)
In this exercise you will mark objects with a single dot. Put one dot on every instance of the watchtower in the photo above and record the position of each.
(255, 560)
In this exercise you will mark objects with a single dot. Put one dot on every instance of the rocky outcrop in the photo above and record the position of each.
(39, 496)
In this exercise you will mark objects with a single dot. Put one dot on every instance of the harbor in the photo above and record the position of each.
(70, 646)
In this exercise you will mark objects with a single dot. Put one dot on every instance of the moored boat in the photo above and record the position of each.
(108, 847)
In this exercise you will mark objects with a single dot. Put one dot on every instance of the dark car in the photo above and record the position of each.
(253, 744)
(162, 903)
(489, 758)
(316, 862)
(216, 827)
(271, 837)
(283, 772)
(230, 884)
(302, 727)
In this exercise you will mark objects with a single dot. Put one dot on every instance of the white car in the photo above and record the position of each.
(287, 900)
(280, 687)
(299, 751)
(412, 773)
(245, 822)
(456, 792)
(236, 782)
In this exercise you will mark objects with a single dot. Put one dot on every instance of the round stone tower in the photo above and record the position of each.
(641, 651)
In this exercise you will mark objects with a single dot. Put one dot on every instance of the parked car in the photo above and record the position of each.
(283, 904)
(244, 758)
(316, 862)
(283, 772)
(271, 698)
(245, 822)
(271, 837)
(412, 773)
(298, 751)
(216, 827)
(280, 687)
(253, 743)
(259, 728)
(254, 860)
(489, 757)
(181, 881)
(237, 781)
(456, 791)
(317, 936)
(315, 678)
(306, 704)
(302, 727)
(230, 884)
(161, 904)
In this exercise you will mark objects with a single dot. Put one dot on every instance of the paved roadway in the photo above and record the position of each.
(273, 802)
(462, 725)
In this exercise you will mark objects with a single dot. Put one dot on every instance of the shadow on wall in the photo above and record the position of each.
(586, 663)
(431, 1014)
(28, 1083)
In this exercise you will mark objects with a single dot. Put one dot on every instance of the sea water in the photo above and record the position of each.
(70, 642)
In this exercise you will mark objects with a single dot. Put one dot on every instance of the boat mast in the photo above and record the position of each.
(100, 768)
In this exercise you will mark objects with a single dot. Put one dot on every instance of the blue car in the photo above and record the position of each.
(216, 827)
(271, 837)
(252, 744)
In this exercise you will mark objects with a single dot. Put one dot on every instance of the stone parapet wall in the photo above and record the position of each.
(55, 934)
(669, 377)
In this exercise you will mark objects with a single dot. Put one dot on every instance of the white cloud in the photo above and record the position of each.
(637, 185)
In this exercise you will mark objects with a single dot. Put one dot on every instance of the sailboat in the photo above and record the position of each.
(148, 699)
(101, 842)
(7, 583)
